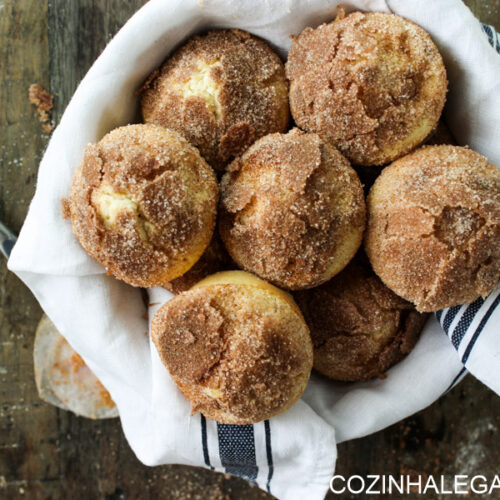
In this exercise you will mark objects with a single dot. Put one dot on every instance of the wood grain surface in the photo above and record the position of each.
(47, 453)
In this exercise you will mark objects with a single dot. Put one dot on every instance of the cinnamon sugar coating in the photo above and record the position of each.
(374, 84)
(239, 353)
(221, 91)
(292, 210)
(143, 203)
(214, 259)
(433, 233)
(359, 328)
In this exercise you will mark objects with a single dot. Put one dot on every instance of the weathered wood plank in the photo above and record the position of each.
(487, 11)
(28, 430)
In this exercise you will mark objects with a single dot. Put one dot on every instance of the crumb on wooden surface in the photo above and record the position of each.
(42, 99)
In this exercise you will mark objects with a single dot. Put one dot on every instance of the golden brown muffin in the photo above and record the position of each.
(292, 210)
(214, 259)
(433, 234)
(237, 347)
(143, 203)
(374, 84)
(359, 328)
(221, 91)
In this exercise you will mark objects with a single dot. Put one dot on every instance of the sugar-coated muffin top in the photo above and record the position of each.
(372, 83)
(292, 210)
(221, 91)
(237, 347)
(433, 233)
(359, 327)
(143, 203)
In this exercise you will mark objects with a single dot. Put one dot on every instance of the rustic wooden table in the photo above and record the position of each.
(47, 453)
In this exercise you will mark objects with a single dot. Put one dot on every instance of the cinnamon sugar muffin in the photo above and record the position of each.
(237, 347)
(433, 234)
(214, 259)
(143, 204)
(374, 84)
(359, 328)
(292, 210)
(221, 91)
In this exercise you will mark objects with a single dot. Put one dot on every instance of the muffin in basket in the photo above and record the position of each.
(373, 84)
(221, 91)
(237, 347)
(292, 210)
(359, 327)
(433, 233)
(143, 203)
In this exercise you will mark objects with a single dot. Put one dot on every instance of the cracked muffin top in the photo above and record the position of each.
(359, 327)
(433, 232)
(237, 347)
(221, 91)
(143, 204)
(373, 84)
(292, 210)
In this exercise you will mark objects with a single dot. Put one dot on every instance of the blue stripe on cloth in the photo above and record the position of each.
(465, 321)
(269, 454)
(480, 327)
(463, 371)
(237, 450)
(438, 316)
(204, 443)
(449, 317)
(492, 36)
(489, 32)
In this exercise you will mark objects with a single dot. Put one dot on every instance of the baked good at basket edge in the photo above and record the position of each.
(374, 84)
(222, 91)
(237, 347)
(433, 233)
(143, 203)
(359, 327)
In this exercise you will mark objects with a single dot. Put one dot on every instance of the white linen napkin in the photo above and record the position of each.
(292, 455)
